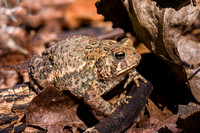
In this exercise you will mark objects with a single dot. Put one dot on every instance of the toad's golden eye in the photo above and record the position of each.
(120, 55)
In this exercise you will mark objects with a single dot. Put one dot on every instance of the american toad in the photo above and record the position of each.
(87, 67)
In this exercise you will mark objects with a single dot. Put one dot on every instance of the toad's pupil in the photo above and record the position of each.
(120, 55)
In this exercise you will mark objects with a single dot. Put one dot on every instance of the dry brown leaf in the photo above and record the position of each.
(53, 110)
(168, 125)
(189, 118)
(159, 25)
(156, 114)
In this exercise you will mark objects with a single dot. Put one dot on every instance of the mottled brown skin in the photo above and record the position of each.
(87, 67)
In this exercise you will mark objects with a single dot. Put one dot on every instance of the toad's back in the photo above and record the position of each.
(73, 61)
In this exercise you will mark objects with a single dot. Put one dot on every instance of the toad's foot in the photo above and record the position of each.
(122, 101)
(91, 130)
(134, 76)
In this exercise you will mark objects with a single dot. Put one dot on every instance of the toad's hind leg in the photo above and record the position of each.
(93, 98)
(40, 73)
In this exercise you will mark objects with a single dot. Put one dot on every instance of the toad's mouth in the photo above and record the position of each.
(125, 71)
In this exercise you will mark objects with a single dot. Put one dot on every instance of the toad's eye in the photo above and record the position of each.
(120, 55)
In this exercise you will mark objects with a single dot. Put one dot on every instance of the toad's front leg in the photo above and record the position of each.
(93, 98)
(134, 76)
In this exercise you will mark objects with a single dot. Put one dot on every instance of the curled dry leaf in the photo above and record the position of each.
(159, 25)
